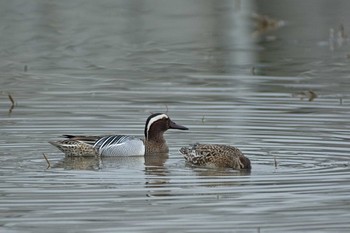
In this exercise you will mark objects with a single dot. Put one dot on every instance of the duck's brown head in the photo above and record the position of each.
(157, 124)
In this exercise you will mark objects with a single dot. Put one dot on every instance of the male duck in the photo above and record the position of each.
(122, 145)
(215, 155)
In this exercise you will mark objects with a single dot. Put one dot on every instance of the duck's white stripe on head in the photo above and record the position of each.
(154, 119)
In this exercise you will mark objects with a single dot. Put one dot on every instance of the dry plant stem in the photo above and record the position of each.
(12, 100)
(275, 160)
(48, 162)
(12, 103)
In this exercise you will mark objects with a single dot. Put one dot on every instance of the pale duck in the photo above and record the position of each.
(122, 145)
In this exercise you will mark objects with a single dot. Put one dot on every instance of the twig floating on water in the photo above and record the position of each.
(48, 162)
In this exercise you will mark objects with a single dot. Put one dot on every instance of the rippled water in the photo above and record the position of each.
(97, 68)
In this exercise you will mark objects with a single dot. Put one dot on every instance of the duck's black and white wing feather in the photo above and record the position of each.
(119, 145)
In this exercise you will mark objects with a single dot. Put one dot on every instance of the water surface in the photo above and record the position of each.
(98, 68)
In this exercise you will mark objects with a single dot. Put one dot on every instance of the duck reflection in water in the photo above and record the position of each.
(148, 163)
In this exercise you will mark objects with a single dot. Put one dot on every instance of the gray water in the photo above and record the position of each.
(92, 67)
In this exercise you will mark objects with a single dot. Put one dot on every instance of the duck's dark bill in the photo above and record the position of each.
(173, 125)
